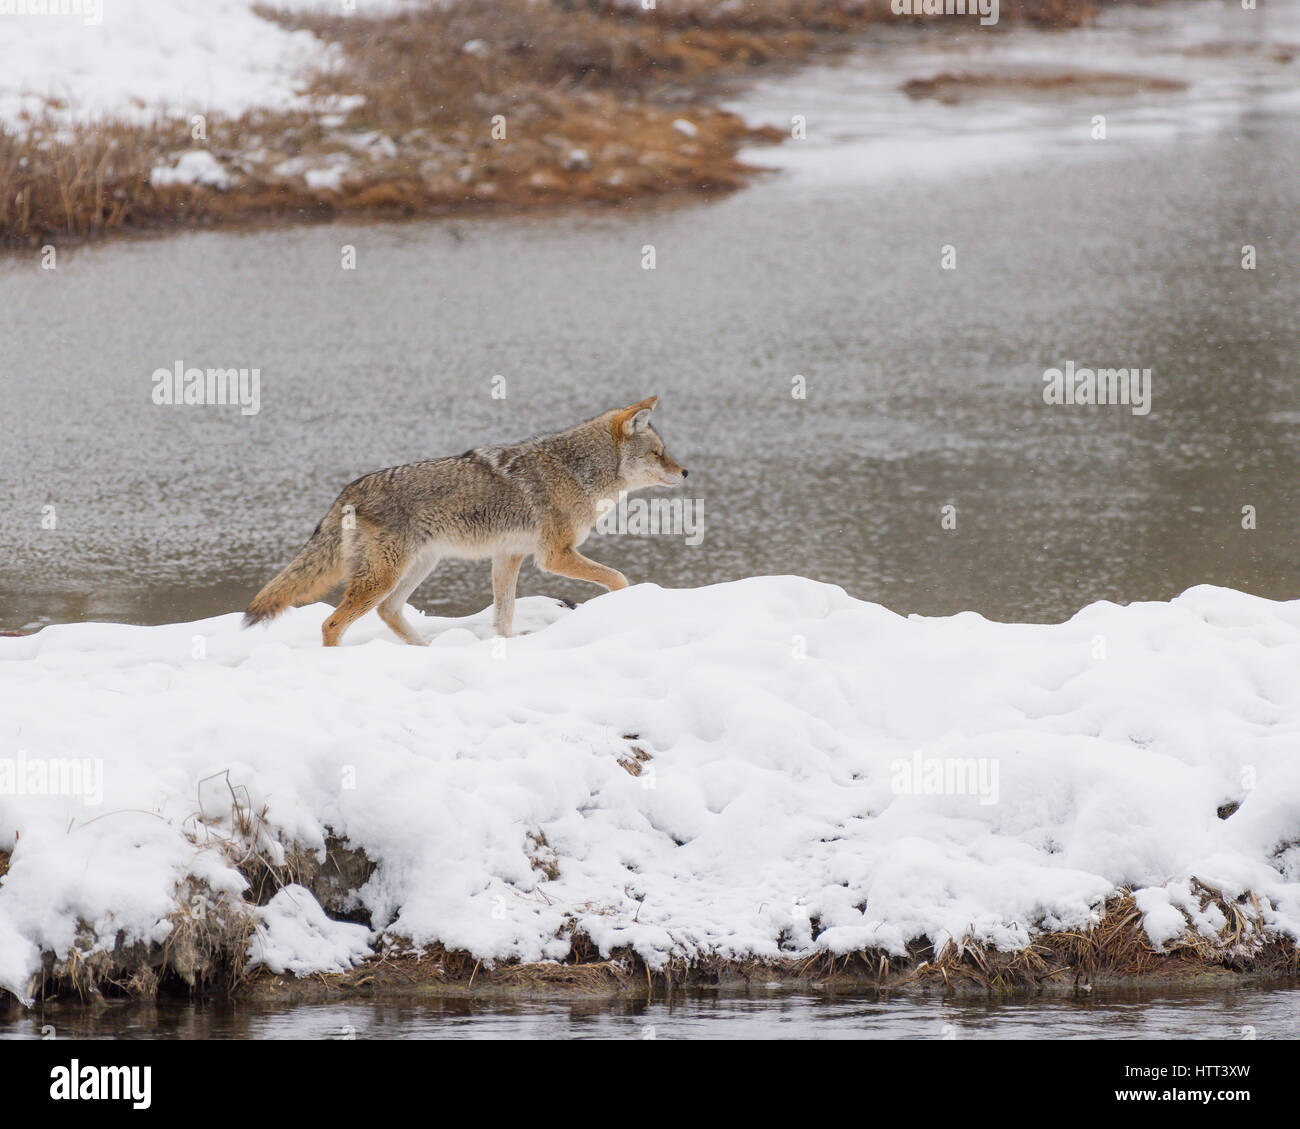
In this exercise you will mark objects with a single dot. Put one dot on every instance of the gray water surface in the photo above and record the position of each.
(1219, 1013)
(923, 385)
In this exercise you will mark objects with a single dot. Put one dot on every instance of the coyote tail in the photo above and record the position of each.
(313, 572)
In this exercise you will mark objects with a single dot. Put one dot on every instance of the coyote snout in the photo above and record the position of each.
(389, 529)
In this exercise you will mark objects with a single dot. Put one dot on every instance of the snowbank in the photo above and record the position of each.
(816, 773)
(138, 58)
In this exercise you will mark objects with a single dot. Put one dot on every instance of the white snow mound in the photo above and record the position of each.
(198, 166)
(818, 773)
(138, 59)
(293, 934)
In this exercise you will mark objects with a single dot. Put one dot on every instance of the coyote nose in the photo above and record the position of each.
(685, 473)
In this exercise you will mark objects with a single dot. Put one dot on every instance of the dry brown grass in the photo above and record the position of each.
(207, 947)
(1117, 947)
(414, 69)
(988, 969)
(1118, 944)
(205, 951)
(633, 761)
(73, 185)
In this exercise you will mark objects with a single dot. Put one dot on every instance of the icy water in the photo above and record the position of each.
(1135, 1014)
(924, 385)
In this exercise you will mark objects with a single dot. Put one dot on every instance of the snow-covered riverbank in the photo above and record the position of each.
(137, 59)
(758, 769)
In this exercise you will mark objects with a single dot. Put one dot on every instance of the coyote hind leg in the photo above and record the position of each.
(390, 610)
(375, 575)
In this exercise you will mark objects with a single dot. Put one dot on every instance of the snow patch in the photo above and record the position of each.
(198, 166)
(143, 59)
(293, 934)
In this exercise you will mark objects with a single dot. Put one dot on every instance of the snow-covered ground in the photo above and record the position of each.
(817, 773)
(139, 59)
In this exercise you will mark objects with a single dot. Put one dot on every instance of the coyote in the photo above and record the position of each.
(387, 530)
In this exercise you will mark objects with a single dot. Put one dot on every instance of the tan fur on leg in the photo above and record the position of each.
(392, 609)
(376, 573)
(505, 574)
(570, 562)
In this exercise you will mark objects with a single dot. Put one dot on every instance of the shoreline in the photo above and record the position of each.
(978, 973)
(205, 956)
(537, 108)
(437, 976)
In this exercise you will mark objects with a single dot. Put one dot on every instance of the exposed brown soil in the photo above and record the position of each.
(602, 102)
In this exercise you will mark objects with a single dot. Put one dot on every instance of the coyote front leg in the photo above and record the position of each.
(505, 572)
(567, 561)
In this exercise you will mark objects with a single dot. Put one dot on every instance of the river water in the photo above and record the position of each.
(1240, 1013)
(923, 390)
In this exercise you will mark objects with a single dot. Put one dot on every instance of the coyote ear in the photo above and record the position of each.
(633, 420)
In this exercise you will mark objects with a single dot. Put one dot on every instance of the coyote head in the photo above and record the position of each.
(642, 459)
